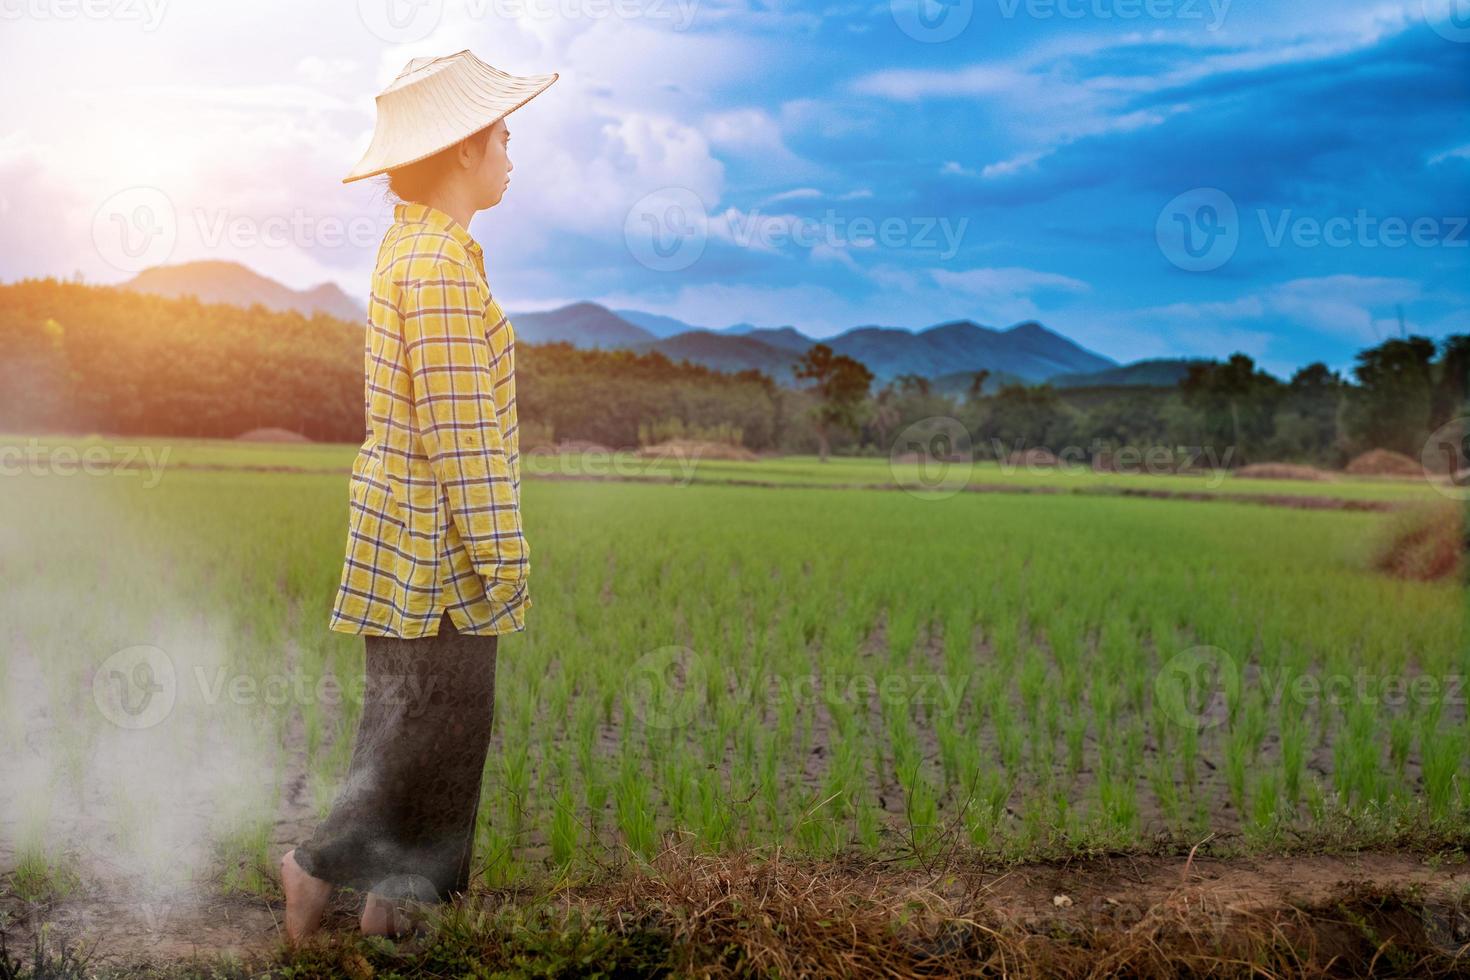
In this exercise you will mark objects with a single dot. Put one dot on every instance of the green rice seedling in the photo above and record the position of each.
(1440, 757)
(1237, 758)
(634, 810)
(1293, 756)
(1166, 790)
(565, 830)
(39, 878)
(1058, 631)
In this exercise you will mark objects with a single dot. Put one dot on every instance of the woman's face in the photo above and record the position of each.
(491, 173)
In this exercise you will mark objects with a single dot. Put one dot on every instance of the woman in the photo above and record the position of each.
(436, 564)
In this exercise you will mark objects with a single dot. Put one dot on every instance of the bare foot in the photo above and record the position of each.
(380, 917)
(306, 899)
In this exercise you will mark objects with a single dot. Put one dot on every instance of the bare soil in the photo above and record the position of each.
(1093, 904)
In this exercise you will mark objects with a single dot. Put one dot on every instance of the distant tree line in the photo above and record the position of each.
(81, 358)
(1400, 391)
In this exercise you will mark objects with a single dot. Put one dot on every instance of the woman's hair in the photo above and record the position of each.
(416, 181)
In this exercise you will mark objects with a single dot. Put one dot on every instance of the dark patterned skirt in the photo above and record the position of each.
(403, 826)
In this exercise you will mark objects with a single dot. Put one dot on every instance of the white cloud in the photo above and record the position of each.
(1347, 307)
(1002, 282)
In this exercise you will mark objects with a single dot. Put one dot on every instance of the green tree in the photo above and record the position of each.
(1233, 403)
(1308, 418)
(1391, 407)
(1452, 381)
(841, 385)
(1022, 417)
(976, 390)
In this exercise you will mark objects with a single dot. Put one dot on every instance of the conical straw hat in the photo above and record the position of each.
(436, 102)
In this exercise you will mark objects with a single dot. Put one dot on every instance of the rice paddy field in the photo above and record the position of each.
(778, 657)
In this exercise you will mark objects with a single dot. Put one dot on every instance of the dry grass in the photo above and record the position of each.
(1384, 462)
(701, 915)
(775, 917)
(1424, 544)
(697, 449)
(1283, 471)
(764, 914)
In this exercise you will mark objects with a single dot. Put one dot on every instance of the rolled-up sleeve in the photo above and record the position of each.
(453, 395)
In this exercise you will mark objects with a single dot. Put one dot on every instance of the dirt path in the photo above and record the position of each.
(1116, 894)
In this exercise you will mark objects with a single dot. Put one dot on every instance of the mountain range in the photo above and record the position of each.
(952, 351)
(1027, 351)
(231, 282)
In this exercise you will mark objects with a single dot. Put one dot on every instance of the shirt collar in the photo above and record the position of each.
(413, 212)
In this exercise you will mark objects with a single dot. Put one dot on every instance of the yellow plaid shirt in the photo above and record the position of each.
(434, 517)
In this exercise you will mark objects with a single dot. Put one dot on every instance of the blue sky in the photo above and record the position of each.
(1150, 177)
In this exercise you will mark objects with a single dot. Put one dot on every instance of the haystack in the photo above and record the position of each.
(697, 449)
(1384, 462)
(271, 434)
(1424, 544)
